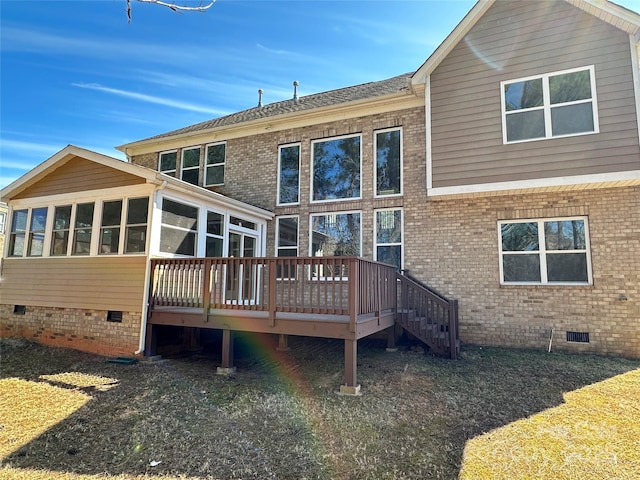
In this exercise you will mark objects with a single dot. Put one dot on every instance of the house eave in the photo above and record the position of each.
(347, 110)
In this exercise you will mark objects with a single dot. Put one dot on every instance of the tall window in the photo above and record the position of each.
(287, 244)
(37, 228)
(179, 229)
(545, 251)
(388, 148)
(61, 228)
(135, 239)
(552, 105)
(289, 175)
(190, 165)
(110, 227)
(215, 234)
(168, 163)
(3, 219)
(18, 233)
(336, 169)
(83, 229)
(388, 236)
(214, 164)
(336, 234)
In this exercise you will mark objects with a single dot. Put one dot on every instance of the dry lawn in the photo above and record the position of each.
(495, 413)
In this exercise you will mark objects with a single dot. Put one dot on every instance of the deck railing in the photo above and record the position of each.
(323, 285)
(428, 315)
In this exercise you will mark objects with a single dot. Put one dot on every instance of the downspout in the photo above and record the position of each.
(147, 275)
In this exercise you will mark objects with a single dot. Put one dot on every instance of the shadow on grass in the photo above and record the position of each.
(280, 418)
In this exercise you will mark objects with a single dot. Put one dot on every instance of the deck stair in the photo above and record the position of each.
(428, 316)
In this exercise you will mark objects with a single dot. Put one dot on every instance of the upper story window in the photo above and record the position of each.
(190, 165)
(289, 174)
(168, 163)
(388, 149)
(556, 104)
(336, 169)
(214, 164)
(552, 251)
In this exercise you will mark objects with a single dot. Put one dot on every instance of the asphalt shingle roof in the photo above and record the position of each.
(303, 103)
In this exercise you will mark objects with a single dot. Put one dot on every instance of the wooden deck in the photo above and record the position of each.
(332, 297)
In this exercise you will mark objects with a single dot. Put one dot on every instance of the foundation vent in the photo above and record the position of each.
(578, 337)
(114, 316)
(19, 309)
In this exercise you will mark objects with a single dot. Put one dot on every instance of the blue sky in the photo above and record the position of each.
(76, 72)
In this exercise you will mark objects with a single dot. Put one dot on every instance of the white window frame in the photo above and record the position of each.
(278, 247)
(280, 147)
(168, 172)
(208, 166)
(184, 169)
(375, 163)
(3, 222)
(547, 107)
(197, 231)
(221, 236)
(391, 244)
(542, 251)
(329, 139)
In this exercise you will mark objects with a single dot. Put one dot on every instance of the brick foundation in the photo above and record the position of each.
(85, 330)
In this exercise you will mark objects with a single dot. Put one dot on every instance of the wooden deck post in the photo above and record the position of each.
(391, 339)
(227, 354)
(151, 341)
(351, 386)
(283, 343)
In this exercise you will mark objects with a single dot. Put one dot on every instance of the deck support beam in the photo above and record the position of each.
(350, 386)
(151, 340)
(227, 354)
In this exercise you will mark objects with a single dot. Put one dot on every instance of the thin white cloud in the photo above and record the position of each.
(150, 99)
(28, 147)
(273, 50)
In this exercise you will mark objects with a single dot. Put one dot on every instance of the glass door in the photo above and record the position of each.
(242, 276)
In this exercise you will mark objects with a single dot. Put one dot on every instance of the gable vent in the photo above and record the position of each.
(579, 337)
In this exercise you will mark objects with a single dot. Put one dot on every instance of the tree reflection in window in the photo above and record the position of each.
(336, 169)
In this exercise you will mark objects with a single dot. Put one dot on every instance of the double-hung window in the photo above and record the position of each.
(168, 163)
(556, 104)
(37, 228)
(190, 165)
(135, 238)
(61, 229)
(336, 169)
(388, 148)
(289, 174)
(110, 227)
(214, 164)
(388, 236)
(545, 251)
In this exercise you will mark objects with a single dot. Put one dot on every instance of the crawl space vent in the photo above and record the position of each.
(579, 337)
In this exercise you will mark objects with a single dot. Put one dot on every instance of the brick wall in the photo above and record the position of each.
(86, 330)
(453, 246)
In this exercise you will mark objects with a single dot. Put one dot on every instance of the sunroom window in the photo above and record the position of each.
(18, 233)
(110, 227)
(179, 228)
(83, 229)
(388, 148)
(135, 240)
(556, 104)
(554, 251)
(289, 175)
(61, 229)
(336, 169)
(37, 228)
(215, 234)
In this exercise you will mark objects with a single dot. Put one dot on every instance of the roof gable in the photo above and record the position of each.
(73, 162)
(606, 11)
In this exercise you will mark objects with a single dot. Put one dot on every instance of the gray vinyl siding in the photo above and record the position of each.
(109, 283)
(519, 39)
